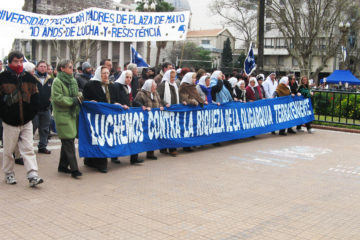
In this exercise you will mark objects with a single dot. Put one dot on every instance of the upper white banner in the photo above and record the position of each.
(96, 24)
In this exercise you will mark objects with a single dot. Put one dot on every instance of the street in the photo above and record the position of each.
(302, 186)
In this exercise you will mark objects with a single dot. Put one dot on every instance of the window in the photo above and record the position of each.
(269, 2)
(295, 62)
(117, 8)
(268, 13)
(205, 42)
(268, 43)
(268, 27)
(48, 2)
(281, 60)
(267, 61)
(280, 43)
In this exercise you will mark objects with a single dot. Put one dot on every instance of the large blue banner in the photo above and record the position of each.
(107, 130)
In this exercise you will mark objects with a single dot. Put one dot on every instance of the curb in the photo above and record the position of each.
(335, 128)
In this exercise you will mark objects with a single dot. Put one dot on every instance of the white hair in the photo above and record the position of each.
(29, 67)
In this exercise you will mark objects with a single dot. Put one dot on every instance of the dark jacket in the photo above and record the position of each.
(18, 97)
(253, 95)
(123, 96)
(144, 98)
(241, 95)
(294, 87)
(215, 89)
(82, 79)
(44, 92)
(94, 91)
(229, 88)
(134, 86)
(161, 91)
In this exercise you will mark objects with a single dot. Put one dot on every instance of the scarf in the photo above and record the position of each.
(167, 92)
(70, 82)
(17, 69)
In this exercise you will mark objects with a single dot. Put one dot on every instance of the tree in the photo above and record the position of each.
(310, 29)
(198, 56)
(226, 56)
(239, 63)
(161, 6)
(239, 14)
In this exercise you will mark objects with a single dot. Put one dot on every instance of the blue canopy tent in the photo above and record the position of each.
(343, 76)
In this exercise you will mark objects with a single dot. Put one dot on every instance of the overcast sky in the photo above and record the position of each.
(201, 19)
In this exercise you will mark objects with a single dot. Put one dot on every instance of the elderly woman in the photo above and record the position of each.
(169, 93)
(99, 89)
(219, 92)
(149, 98)
(232, 83)
(253, 91)
(189, 95)
(124, 97)
(241, 91)
(66, 99)
(305, 91)
(282, 90)
(204, 89)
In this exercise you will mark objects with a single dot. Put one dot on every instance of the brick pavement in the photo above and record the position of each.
(271, 187)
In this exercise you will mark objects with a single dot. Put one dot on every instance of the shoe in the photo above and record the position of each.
(216, 144)
(35, 181)
(151, 157)
(44, 150)
(19, 161)
(310, 130)
(76, 174)
(273, 133)
(115, 160)
(291, 131)
(187, 149)
(299, 130)
(64, 170)
(173, 154)
(282, 134)
(135, 161)
(10, 179)
(163, 151)
(102, 170)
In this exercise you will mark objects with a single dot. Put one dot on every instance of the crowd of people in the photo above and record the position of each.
(32, 94)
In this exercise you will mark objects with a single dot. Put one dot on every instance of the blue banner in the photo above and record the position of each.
(107, 130)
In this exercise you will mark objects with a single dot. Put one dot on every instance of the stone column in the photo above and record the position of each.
(48, 57)
(67, 56)
(121, 55)
(110, 50)
(98, 53)
(39, 57)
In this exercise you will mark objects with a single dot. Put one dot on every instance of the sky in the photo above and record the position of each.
(201, 19)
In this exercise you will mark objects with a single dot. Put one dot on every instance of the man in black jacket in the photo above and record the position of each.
(18, 106)
(43, 117)
(84, 77)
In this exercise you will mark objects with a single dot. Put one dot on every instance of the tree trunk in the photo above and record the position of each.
(148, 51)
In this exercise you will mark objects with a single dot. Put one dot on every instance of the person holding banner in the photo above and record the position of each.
(66, 99)
(219, 92)
(124, 97)
(240, 91)
(270, 85)
(149, 98)
(232, 83)
(204, 89)
(164, 67)
(306, 92)
(169, 93)
(253, 91)
(99, 89)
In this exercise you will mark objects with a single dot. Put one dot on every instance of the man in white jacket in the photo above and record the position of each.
(270, 85)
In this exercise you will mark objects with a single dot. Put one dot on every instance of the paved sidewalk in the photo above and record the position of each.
(303, 186)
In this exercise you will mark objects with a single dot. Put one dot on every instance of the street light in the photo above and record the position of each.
(344, 29)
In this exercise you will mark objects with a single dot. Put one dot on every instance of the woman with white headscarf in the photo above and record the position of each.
(204, 89)
(169, 93)
(241, 91)
(124, 97)
(219, 92)
(253, 91)
(232, 83)
(149, 98)
(99, 89)
(187, 91)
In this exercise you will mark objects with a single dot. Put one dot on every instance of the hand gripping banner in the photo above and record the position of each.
(107, 130)
(96, 24)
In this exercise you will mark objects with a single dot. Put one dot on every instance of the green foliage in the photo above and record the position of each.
(239, 63)
(226, 57)
(161, 6)
(191, 52)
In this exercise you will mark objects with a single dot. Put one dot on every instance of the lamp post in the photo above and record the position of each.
(149, 6)
(344, 29)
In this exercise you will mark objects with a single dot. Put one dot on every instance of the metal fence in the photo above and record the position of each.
(335, 106)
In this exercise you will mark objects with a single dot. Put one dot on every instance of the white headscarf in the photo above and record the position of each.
(122, 78)
(97, 75)
(233, 81)
(239, 83)
(167, 92)
(147, 87)
(256, 83)
(215, 74)
(284, 80)
(268, 77)
(202, 81)
(187, 78)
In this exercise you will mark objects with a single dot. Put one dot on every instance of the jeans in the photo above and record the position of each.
(42, 122)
